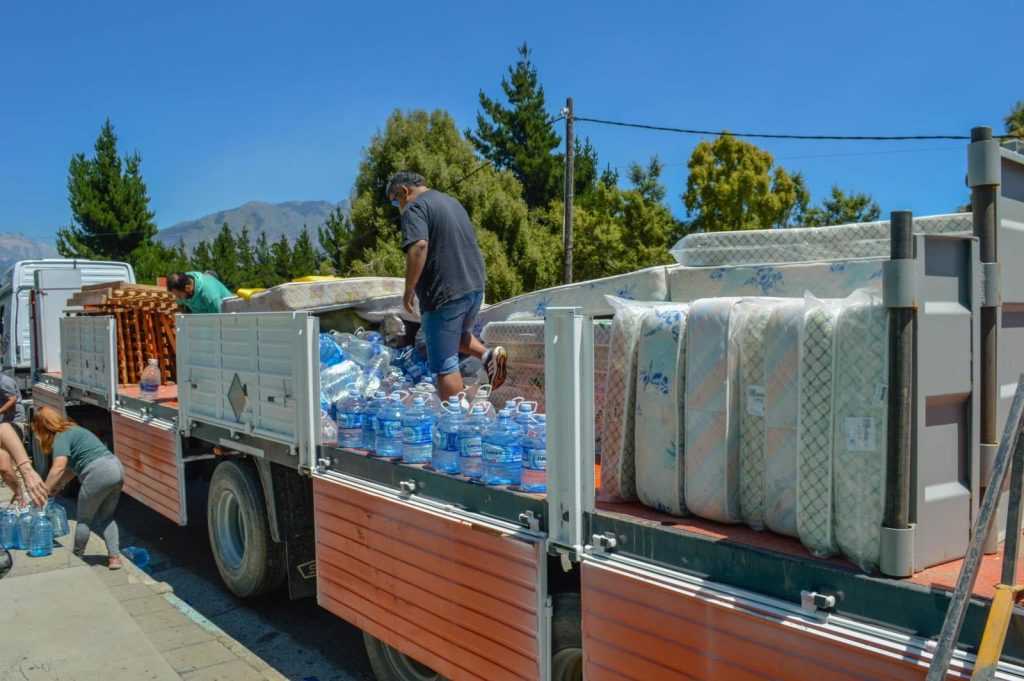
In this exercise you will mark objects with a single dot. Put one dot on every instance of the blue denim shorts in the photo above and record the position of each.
(444, 328)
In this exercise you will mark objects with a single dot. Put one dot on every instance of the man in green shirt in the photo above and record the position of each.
(197, 291)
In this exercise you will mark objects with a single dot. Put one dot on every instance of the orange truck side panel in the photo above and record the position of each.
(460, 600)
(47, 397)
(149, 455)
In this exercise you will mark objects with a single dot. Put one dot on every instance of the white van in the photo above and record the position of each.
(15, 314)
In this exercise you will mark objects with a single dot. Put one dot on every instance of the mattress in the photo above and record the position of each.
(646, 284)
(524, 341)
(814, 517)
(752, 318)
(822, 280)
(659, 432)
(859, 433)
(711, 461)
(781, 390)
(330, 294)
(808, 244)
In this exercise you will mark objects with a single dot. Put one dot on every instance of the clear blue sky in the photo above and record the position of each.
(234, 101)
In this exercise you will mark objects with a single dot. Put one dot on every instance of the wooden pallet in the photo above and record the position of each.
(120, 294)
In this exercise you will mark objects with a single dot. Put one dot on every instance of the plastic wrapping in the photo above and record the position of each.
(659, 428)
(822, 279)
(711, 408)
(807, 244)
(749, 336)
(860, 430)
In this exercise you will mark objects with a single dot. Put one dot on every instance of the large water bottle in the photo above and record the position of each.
(417, 432)
(503, 451)
(429, 394)
(330, 352)
(471, 441)
(370, 419)
(23, 530)
(523, 414)
(137, 555)
(41, 538)
(8, 526)
(58, 516)
(389, 427)
(373, 375)
(149, 384)
(350, 421)
(335, 380)
(535, 456)
(328, 428)
(445, 457)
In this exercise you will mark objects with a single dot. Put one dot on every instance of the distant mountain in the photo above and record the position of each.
(15, 246)
(273, 218)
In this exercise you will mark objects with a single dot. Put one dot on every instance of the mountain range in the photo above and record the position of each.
(15, 246)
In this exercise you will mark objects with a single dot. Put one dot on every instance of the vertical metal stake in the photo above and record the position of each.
(570, 158)
(901, 386)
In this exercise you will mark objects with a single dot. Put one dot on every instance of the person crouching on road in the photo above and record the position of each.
(444, 269)
(76, 451)
(198, 291)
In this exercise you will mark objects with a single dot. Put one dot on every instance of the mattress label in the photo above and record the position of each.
(881, 395)
(755, 400)
(860, 434)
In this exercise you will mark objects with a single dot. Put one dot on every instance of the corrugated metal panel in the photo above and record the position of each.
(458, 598)
(151, 455)
(641, 628)
(88, 361)
(47, 396)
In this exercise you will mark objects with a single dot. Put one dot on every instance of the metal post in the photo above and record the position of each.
(901, 386)
(570, 152)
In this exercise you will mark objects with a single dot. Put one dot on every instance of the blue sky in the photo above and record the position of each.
(235, 101)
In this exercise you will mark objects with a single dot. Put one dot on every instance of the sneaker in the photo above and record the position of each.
(114, 563)
(494, 364)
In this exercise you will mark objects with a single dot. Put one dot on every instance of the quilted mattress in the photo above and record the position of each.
(752, 319)
(781, 390)
(313, 295)
(524, 341)
(808, 244)
(822, 280)
(711, 461)
(659, 431)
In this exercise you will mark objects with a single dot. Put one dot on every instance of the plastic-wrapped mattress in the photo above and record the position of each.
(312, 295)
(782, 403)
(751, 322)
(822, 280)
(659, 429)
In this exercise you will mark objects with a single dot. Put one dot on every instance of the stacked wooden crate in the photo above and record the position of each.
(145, 325)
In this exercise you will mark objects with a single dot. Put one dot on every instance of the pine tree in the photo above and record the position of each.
(265, 276)
(305, 260)
(245, 259)
(334, 237)
(281, 251)
(202, 258)
(225, 256)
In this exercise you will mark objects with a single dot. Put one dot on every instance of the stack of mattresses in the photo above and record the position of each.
(330, 294)
(836, 279)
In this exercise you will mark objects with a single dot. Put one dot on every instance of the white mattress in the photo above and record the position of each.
(823, 280)
(523, 341)
(711, 417)
(752, 319)
(332, 294)
(659, 431)
(859, 433)
(646, 284)
(781, 383)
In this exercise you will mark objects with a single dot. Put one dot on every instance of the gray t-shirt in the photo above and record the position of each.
(454, 266)
(9, 389)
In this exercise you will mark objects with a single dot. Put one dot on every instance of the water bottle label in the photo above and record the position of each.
(493, 453)
(149, 387)
(417, 435)
(470, 447)
(390, 430)
(370, 422)
(350, 421)
(448, 442)
(535, 459)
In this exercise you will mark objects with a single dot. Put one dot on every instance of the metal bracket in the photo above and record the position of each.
(813, 601)
(531, 520)
(407, 486)
(991, 295)
(899, 284)
(606, 542)
(896, 555)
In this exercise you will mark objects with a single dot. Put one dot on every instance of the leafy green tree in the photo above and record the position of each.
(281, 252)
(1015, 120)
(305, 259)
(521, 137)
(841, 208)
(334, 236)
(735, 185)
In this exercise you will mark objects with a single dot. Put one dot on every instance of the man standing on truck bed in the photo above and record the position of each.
(444, 269)
(197, 291)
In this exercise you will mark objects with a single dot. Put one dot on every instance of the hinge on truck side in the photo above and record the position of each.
(531, 520)
(606, 542)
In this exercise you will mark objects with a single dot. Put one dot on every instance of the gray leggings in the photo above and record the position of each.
(101, 488)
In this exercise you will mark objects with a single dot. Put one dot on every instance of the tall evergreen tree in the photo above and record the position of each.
(305, 259)
(225, 256)
(265, 275)
(202, 258)
(334, 237)
(245, 259)
(841, 208)
(281, 251)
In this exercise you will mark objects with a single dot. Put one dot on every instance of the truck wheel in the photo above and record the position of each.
(566, 638)
(390, 665)
(249, 561)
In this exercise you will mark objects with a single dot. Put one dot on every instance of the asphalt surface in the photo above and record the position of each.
(297, 638)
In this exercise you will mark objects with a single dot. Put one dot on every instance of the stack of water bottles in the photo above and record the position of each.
(32, 528)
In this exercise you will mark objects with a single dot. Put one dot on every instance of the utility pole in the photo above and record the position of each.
(570, 148)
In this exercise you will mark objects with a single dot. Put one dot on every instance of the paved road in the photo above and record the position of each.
(298, 638)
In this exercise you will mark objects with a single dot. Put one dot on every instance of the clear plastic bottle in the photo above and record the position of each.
(41, 538)
(137, 555)
(429, 394)
(336, 379)
(503, 451)
(8, 526)
(350, 421)
(58, 516)
(389, 427)
(328, 428)
(23, 530)
(417, 432)
(149, 384)
(330, 352)
(370, 420)
(471, 441)
(524, 413)
(445, 457)
(535, 456)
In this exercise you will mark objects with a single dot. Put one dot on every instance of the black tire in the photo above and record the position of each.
(249, 561)
(566, 649)
(390, 665)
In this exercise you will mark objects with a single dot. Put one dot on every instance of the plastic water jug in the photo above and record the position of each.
(23, 530)
(335, 380)
(429, 394)
(330, 352)
(471, 441)
(445, 457)
(8, 526)
(59, 517)
(417, 432)
(370, 420)
(503, 451)
(149, 384)
(535, 456)
(137, 555)
(328, 428)
(524, 413)
(389, 427)
(41, 538)
(350, 421)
